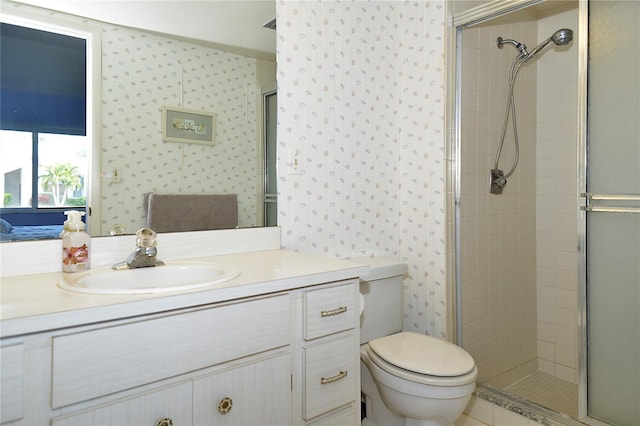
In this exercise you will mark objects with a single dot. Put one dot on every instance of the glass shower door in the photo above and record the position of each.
(613, 213)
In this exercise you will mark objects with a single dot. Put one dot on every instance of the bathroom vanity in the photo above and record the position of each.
(277, 345)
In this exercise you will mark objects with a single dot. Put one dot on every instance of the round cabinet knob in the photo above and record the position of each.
(225, 405)
(166, 421)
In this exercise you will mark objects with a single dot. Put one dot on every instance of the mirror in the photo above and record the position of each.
(212, 56)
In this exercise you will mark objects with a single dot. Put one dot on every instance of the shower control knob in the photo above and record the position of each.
(498, 181)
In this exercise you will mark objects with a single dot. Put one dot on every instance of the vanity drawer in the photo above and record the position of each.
(11, 383)
(329, 310)
(329, 376)
(103, 361)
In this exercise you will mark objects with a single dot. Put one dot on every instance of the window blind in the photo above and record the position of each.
(42, 81)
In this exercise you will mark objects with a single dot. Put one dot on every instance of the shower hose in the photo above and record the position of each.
(517, 63)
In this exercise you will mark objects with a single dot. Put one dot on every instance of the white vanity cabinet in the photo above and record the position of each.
(285, 358)
(199, 348)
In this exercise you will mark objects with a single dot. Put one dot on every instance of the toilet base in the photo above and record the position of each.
(377, 412)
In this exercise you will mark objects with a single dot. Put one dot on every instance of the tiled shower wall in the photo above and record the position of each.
(498, 231)
(557, 202)
(519, 248)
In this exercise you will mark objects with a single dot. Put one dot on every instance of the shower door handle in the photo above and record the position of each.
(590, 207)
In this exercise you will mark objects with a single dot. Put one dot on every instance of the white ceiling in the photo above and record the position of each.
(232, 24)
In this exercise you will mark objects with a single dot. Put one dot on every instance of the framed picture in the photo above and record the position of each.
(187, 126)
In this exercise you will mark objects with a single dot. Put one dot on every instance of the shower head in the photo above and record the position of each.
(560, 38)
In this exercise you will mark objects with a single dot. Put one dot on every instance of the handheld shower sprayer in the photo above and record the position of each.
(560, 38)
(563, 36)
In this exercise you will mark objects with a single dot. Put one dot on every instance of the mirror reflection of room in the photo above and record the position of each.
(114, 157)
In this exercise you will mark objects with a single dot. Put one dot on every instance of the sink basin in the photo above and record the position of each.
(159, 279)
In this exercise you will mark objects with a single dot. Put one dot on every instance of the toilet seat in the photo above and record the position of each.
(423, 359)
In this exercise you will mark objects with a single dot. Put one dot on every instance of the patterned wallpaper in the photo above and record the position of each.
(361, 104)
(141, 72)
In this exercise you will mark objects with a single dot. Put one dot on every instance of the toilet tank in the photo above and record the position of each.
(382, 290)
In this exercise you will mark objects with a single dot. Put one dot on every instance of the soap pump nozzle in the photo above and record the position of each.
(74, 220)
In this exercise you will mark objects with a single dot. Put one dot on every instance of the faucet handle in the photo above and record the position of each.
(145, 238)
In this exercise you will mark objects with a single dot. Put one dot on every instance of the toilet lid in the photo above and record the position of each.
(423, 354)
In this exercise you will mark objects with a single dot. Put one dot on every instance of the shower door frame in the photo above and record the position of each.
(456, 25)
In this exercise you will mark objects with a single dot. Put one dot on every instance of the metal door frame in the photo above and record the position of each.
(458, 23)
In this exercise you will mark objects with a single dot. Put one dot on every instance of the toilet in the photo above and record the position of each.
(407, 378)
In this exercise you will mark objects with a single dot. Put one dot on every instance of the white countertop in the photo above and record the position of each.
(34, 303)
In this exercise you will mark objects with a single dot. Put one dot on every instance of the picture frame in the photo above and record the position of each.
(188, 126)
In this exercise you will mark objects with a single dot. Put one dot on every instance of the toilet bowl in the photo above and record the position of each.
(419, 397)
(407, 378)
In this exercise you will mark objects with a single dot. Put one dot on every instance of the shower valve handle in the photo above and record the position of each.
(498, 181)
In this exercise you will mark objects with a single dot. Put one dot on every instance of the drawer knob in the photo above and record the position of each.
(326, 380)
(338, 311)
(166, 421)
(225, 405)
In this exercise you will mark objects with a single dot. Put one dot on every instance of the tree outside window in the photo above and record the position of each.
(60, 179)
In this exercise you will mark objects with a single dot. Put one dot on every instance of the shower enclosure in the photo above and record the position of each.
(548, 271)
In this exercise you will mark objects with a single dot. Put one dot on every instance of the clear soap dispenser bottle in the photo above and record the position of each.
(75, 243)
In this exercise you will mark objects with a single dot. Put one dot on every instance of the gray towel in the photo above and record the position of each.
(181, 213)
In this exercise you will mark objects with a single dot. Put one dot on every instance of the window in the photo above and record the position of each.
(43, 138)
(61, 166)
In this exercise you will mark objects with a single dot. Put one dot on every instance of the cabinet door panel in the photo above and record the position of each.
(256, 394)
(173, 403)
(11, 383)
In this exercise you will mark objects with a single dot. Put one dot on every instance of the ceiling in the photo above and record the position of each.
(234, 25)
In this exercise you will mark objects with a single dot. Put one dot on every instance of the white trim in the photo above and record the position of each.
(486, 12)
(42, 19)
(94, 130)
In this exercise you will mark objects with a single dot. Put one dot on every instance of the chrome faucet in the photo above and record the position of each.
(145, 253)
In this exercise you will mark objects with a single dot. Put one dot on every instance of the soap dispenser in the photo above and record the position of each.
(75, 243)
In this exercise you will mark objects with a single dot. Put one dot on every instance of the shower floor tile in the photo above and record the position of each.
(548, 391)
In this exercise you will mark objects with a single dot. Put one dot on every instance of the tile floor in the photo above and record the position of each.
(482, 413)
(540, 388)
(548, 391)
